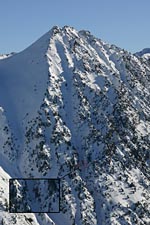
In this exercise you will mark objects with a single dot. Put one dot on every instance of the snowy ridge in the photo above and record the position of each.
(76, 108)
(145, 53)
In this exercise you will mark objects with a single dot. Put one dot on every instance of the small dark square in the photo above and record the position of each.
(34, 195)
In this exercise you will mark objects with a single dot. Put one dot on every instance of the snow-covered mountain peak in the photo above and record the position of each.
(76, 108)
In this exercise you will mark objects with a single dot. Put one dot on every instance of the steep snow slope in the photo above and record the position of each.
(76, 108)
(21, 75)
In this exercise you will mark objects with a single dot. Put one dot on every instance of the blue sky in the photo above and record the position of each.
(125, 23)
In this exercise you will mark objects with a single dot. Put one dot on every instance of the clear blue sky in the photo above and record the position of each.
(125, 23)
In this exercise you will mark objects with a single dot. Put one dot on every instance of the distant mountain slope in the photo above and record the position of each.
(76, 108)
(145, 53)
(4, 56)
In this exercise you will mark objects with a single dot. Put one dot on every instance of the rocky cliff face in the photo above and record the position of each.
(76, 108)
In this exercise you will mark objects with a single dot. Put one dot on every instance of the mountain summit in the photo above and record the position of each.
(75, 109)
